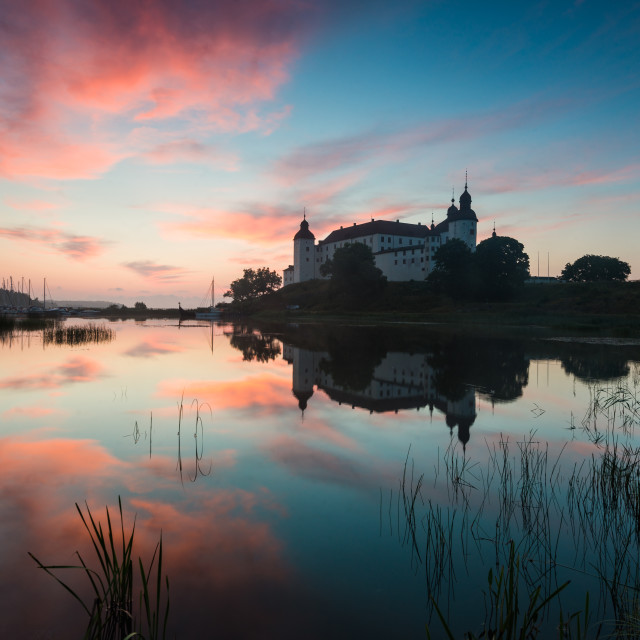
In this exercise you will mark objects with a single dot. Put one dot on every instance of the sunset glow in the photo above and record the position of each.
(145, 147)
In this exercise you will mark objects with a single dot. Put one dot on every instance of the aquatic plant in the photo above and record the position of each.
(527, 502)
(110, 610)
(511, 616)
(74, 335)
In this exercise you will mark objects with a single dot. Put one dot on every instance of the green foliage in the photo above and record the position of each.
(253, 284)
(111, 612)
(592, 268)
(496, 271)
(140, 306)
(501, 267)
(353, 272)
(512, 616)
(453, 272)
(254, 345)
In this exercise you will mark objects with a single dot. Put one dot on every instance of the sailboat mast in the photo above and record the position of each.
(212, 279)
(44, 295)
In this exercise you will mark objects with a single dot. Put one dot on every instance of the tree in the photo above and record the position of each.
(140, 306)
(253, 284)
(453, 270)
(592, 268)
(353, 271)
(501, 266)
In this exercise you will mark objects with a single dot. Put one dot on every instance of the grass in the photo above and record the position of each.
(75, 335)
(511, 616)
(110, 611)
(543, 522)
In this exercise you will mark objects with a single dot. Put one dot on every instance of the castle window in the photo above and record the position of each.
(470, 232)
(400, 241)
(307, 259)
(307, 248)
(404, 262)
(410, 241)
(395, 261)
(413, 260)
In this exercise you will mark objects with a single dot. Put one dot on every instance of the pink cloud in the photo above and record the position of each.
(77, 369)
(154, 271)
(31, 412)
(379, 147)
(265, 392)
(308, 462)
(190, 151)
(507, 182)
(259, 223)
(30, 205)
(71, 245)
(150, 348)
(77, 73)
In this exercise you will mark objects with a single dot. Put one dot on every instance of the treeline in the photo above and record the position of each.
(10, 298)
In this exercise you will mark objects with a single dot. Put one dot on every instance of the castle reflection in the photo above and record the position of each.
(389, 369)
(401, 381)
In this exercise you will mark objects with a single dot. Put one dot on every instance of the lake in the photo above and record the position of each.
(314, 480)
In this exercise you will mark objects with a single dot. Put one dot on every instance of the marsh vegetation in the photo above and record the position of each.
(547, 532)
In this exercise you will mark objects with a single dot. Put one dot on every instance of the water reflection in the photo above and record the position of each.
(263, 509)
(253, 344)
(368, 368)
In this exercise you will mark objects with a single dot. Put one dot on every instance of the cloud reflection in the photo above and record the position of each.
(76, 369)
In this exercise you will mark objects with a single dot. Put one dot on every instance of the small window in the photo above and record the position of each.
(413, 260)
(404, 262)
(400, 241)
(395, 262)
(307, 259)
(307, 249)
(410, 241)
(471, 231)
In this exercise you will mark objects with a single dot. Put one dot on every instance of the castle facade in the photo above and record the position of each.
(402, 251)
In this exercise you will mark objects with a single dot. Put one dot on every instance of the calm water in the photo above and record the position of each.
(286, 510)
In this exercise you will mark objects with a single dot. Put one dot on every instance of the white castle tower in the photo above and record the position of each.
(463, 222)
(304, 253)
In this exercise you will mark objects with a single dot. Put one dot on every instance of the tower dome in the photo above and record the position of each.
(465, 199)
(304, 233)
(452, 210)
(466, 212)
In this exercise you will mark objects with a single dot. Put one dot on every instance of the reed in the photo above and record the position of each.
(542, 522)
(513, 616)
(110, 609)
(74, 335)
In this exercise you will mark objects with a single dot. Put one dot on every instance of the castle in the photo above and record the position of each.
(402, 251)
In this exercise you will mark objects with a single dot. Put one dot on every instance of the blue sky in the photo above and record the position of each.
(146, 147)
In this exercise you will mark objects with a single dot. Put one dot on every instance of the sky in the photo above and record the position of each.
(147, 147)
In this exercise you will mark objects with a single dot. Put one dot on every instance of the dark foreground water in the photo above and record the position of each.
(314, 481)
